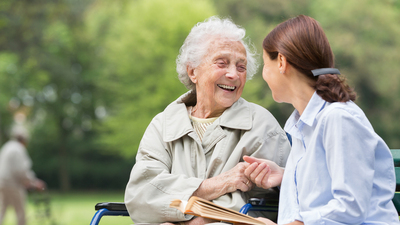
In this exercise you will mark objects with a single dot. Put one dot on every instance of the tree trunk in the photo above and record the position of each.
(64, 178)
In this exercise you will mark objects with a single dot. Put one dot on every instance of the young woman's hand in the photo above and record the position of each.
(264, 173)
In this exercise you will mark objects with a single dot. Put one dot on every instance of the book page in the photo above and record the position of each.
(178, 204)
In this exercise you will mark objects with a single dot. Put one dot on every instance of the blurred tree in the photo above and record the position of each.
(137, 43)
(364, 40)
(45, 67)
(9, 76)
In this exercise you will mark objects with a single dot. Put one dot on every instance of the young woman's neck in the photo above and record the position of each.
(302, 91)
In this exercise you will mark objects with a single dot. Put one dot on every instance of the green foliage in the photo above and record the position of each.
(47, 76)
(364, 40)
(139, 42)
(8, 83)
(83, 68)
(88, 166)
(363, 36)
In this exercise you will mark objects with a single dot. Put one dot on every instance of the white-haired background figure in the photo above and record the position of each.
(195, 147)
(16, 175)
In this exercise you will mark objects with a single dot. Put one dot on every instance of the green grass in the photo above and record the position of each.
(69, 209)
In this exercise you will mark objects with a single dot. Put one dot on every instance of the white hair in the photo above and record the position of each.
(196, 44)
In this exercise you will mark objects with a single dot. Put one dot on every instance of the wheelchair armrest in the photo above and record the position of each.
(258, 204)
(108, 209)
(267, 202)
(112, 206)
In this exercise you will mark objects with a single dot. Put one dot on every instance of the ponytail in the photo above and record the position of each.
(334, 88)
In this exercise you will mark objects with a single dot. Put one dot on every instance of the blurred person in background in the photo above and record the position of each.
(195, 147)
(16, 175)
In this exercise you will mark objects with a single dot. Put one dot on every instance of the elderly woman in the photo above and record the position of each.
(195, 147)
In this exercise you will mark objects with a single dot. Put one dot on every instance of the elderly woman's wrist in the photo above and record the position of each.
(210, 189)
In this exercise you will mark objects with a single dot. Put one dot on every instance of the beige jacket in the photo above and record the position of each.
(171, 162)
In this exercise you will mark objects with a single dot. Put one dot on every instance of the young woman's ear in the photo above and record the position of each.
(282, 63)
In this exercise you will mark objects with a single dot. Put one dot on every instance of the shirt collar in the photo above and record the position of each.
(295, 121)
(177, 122)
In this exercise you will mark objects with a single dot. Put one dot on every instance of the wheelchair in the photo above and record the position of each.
(269, 203)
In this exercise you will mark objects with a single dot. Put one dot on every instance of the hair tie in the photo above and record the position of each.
(321, 71)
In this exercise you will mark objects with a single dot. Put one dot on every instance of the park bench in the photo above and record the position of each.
(119, 208)
(396, 159)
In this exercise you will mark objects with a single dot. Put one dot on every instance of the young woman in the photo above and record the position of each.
(339, 170)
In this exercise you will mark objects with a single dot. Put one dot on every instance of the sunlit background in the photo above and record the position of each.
(86, 77)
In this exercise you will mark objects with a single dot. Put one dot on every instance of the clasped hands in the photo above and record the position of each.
(263, 173)
(254, 171)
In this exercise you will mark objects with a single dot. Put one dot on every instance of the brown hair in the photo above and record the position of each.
(304, 44)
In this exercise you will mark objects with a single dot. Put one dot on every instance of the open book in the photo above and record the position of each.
(200, 207)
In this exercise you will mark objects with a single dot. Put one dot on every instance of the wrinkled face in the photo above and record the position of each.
(221, 76)
(273, 77)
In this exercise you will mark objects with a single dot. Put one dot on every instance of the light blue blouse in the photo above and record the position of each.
(339, 170)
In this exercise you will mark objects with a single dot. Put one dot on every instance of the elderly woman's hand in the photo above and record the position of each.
(227, 182)
(264, 173)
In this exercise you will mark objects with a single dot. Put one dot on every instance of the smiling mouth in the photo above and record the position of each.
(226, 87)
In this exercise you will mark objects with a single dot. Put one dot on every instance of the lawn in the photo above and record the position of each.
(69, 209)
